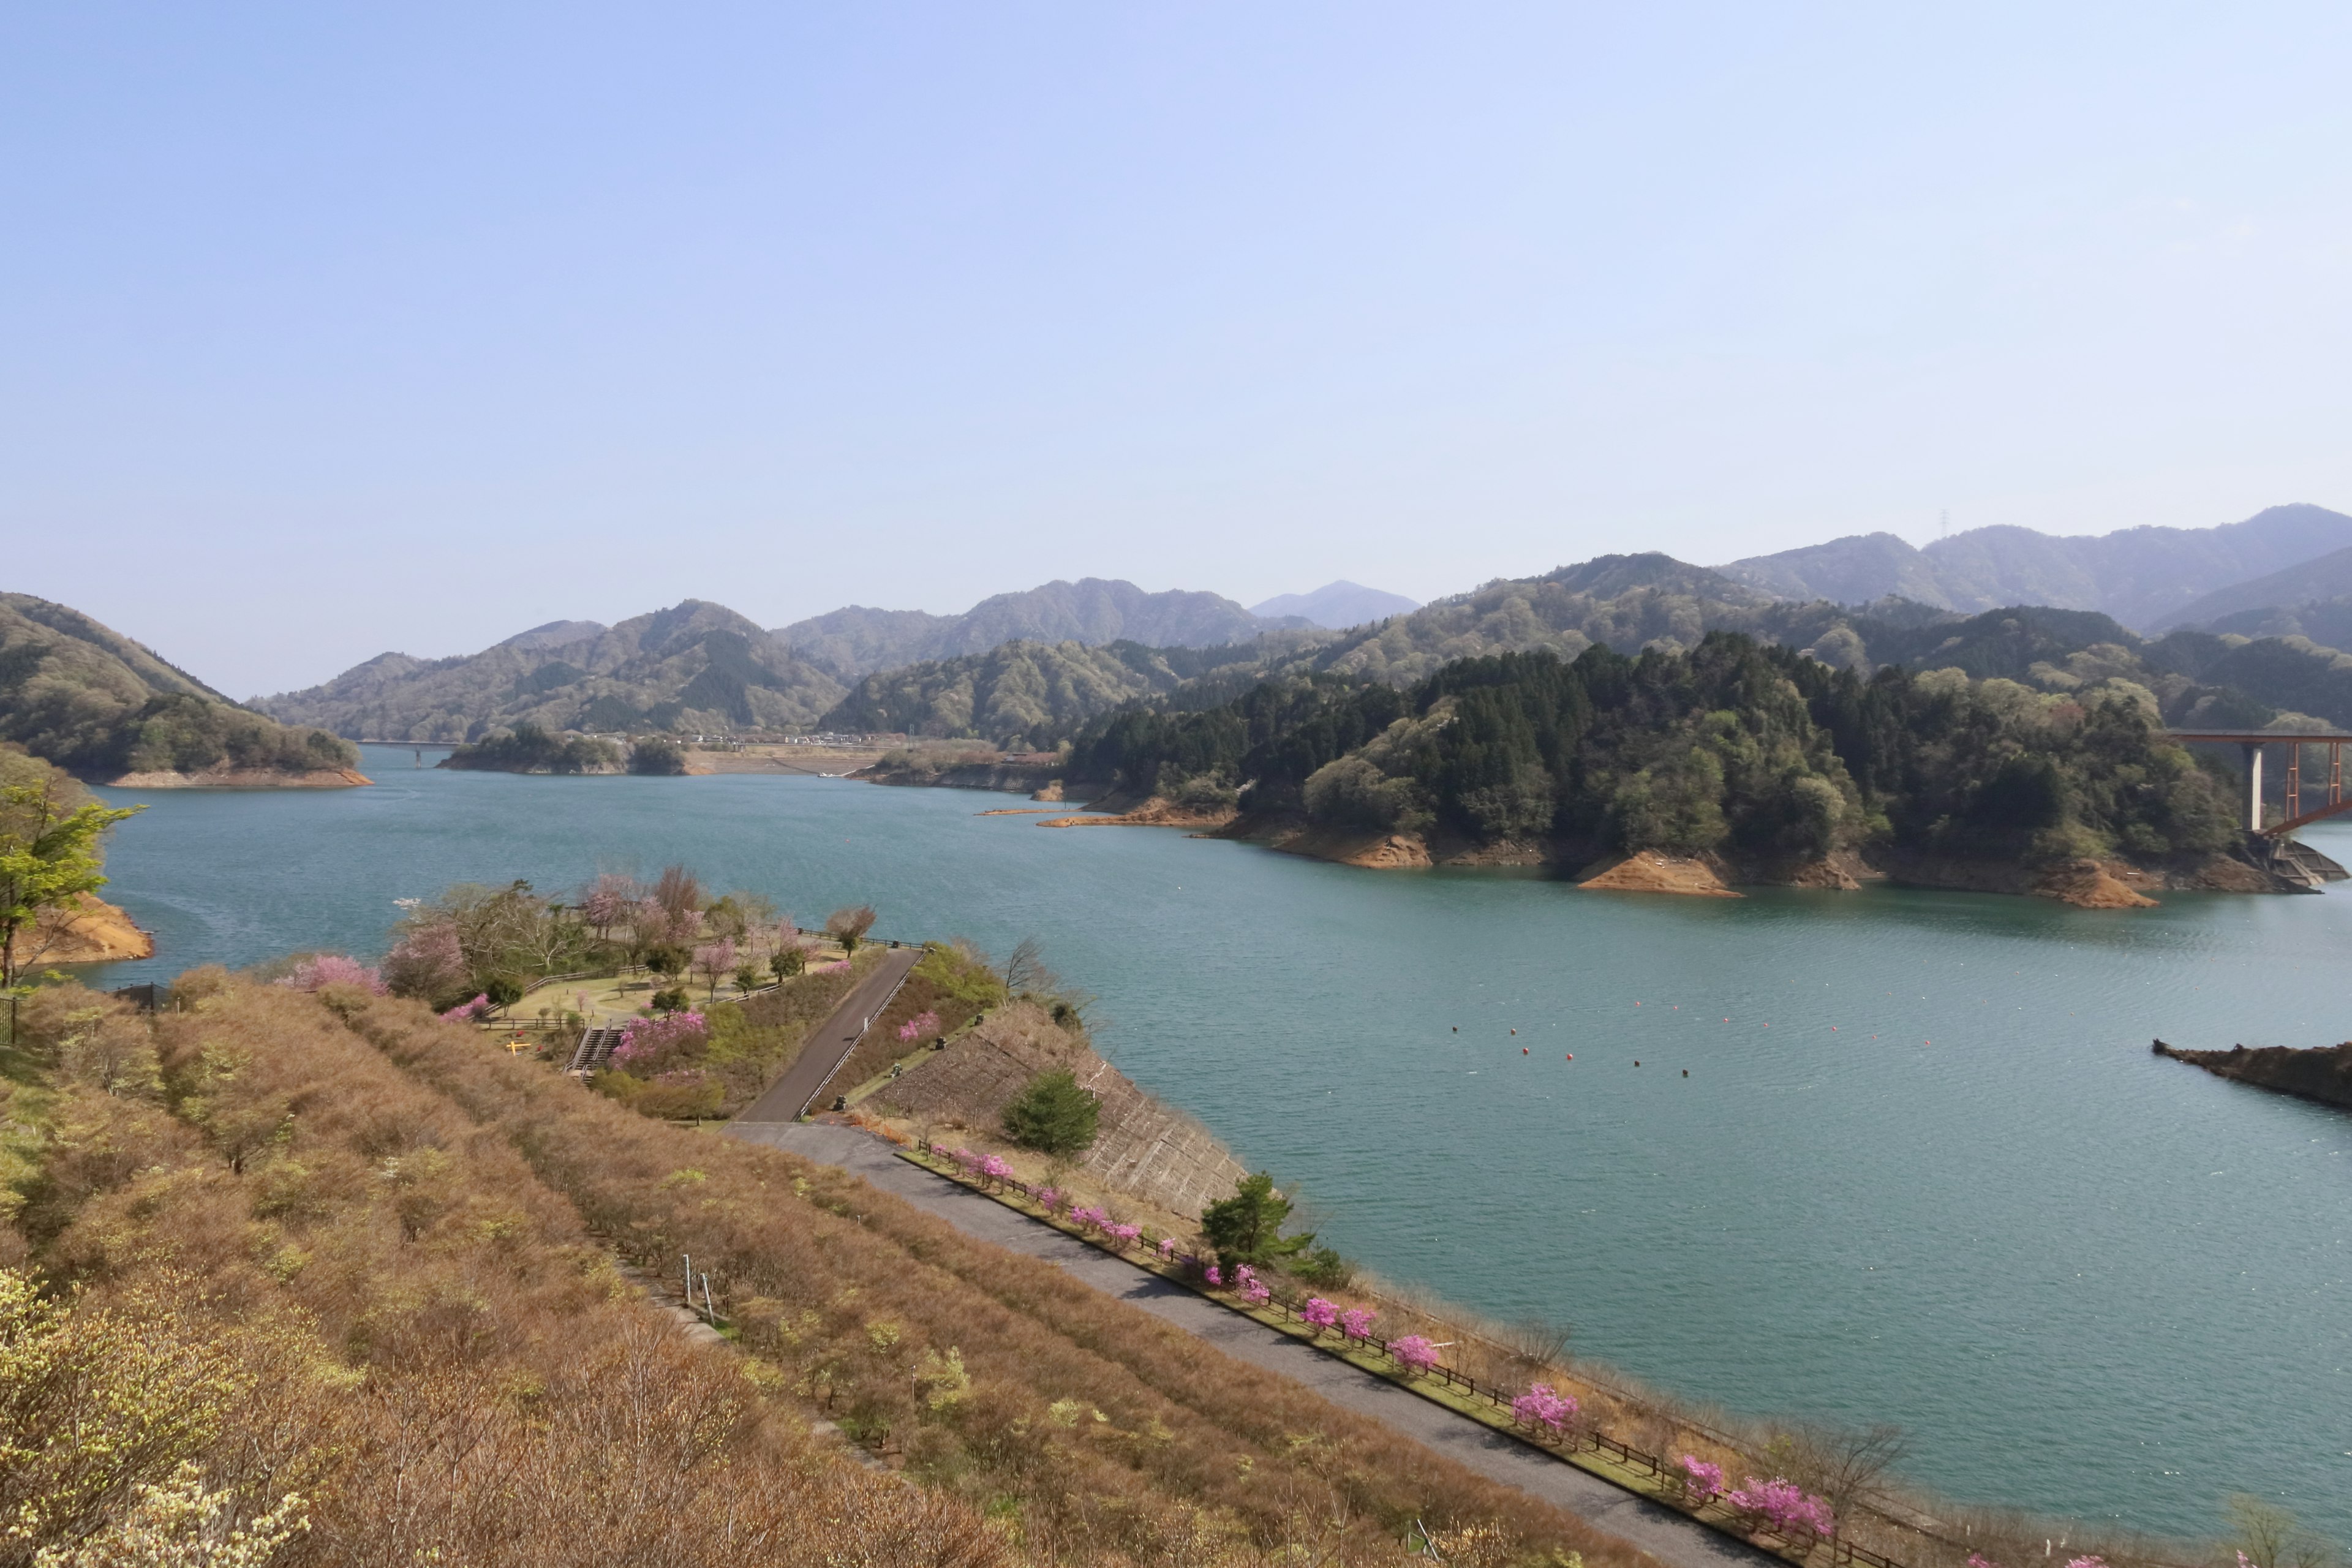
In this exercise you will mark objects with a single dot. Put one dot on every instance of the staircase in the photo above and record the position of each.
(2299, 866)
(596, 1045)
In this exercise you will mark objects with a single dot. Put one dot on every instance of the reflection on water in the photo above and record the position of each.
(1924, 1167)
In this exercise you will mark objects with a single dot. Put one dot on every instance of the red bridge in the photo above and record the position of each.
(2294, 740)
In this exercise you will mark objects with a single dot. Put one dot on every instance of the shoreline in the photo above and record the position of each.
(2088, 883)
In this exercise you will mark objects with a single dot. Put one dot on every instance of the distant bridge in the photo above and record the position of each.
(2294, 740)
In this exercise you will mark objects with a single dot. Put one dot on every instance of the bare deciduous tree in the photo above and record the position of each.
(849, 926)
(2270, 1537)
(1843, 1464)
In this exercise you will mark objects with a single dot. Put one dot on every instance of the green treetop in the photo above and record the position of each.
(1247, 1226)
(49, 855)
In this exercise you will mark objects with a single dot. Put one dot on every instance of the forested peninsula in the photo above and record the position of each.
(90, 699)
(1731, 762)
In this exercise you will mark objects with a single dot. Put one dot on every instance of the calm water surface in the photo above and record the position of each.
(1924, 1167)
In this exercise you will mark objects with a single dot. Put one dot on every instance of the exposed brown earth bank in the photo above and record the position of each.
(2324, 1074)
(2099, 884)
(1155, 812)
(93, 932)
(244, 778)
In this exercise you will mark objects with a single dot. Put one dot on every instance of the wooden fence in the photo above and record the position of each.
(1672, 1488)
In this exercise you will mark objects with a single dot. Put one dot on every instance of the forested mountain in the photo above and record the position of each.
(1025, 695)
(1338, 605)
(92, 701)
(1092, 611)
(1730, 746)
(695, 665)
(2145, 577)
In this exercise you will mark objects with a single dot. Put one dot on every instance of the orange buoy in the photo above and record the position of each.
(1571, 1055)
(1523, 1050)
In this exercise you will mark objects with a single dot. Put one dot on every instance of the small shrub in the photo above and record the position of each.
(1054, 1115)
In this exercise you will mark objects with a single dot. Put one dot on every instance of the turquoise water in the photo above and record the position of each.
(1923, 1168)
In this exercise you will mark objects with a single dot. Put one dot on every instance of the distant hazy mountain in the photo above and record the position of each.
(2145, 577)
(1338, 605)
(1092, 611)
(555, 633)
(2327, 577)
(858, 640)
(694, 667)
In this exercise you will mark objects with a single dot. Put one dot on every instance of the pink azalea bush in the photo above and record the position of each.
(1414, 1353)
(922, 1026)
(651, 1045)
(467, 1012)
(334, 969)
(1319, 1313)
(1167, 1250)
(1253, 1291)
(1051, 1199)
(1088, 1218)
(996, 1168)
(1785, 1506)
(1356, 1322)
(1706, 1481)
(1215, 1275)
(1542, 1406)
(1122, 1236)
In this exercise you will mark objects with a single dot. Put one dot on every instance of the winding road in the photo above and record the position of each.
(829, 1044)
(1662, 1533)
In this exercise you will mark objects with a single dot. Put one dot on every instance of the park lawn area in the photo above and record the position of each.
(609, 1001)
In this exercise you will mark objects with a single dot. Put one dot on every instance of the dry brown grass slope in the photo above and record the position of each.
(1103, 1435)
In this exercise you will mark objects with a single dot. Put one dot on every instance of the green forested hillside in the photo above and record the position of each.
(695, 667)
(1730, 746)
(93, 701)
(1027, 695)
(1092, 611)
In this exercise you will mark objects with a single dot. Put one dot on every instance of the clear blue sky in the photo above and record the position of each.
(328, 328)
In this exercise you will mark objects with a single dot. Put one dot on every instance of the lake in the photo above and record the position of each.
(1923, 1169)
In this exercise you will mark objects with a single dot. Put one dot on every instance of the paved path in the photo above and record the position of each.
(1660, 1531)
(830, 1042)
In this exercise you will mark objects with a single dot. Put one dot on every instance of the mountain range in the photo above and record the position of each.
(1091, 611)
(1031, 667)
(693, 666)
(2148, 578)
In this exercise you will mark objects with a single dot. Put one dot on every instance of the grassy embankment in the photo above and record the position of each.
(371, 1258)
(265, 1252)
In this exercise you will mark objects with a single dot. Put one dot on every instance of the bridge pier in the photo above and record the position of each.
(2253, 787)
